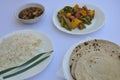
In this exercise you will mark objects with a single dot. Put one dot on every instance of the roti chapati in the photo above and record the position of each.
(95, 60)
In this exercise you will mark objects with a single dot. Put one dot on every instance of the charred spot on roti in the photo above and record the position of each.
(113, 51)
(98, 49)
(70, 66)
(95, 40)
(95, 44)
(79, 55)
(91, 61)
(90, 66)
(89, 46)
(119, 56)
(79, 47)
(85, 43)
(88, 51)
(73, 59)
(76, 50)
(74, 77)
(111, 55)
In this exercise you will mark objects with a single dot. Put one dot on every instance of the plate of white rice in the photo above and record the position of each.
(18, 47)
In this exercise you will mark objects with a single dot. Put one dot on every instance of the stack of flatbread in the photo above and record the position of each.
(95, 60)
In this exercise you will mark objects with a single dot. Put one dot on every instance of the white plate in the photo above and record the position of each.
(97, 22)
(65, 64)
(40, 67)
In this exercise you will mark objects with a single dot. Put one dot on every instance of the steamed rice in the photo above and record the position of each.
(17, 48)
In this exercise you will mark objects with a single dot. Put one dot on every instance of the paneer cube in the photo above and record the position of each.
(75, 22)
(91, 13)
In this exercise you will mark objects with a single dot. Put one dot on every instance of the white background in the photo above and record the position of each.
(61, 41)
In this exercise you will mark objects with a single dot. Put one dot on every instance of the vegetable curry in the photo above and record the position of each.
(75, 17)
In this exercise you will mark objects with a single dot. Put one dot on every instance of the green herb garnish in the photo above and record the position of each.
(26, 63)
(25, 69)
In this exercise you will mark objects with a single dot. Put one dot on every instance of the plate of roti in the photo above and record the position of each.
(94, 59)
